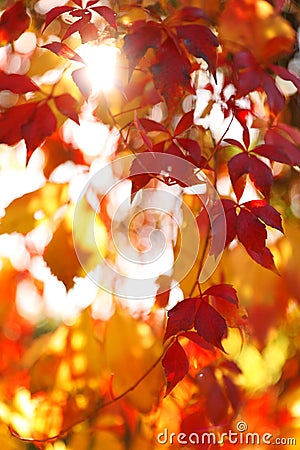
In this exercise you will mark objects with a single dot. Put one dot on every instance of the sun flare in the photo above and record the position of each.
(101, 65)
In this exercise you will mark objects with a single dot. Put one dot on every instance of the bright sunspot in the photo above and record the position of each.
(101, 65)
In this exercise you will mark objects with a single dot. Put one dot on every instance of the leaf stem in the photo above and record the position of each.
(221, 138)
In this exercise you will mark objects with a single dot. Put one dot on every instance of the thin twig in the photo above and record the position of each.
(221, 138)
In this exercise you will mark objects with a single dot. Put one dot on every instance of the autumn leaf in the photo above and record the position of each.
(40, 125)
(107, 13)
(280, 147)
(57, 152)
(19, 84)
(13, 22)
(285, 74)
(192, 149)
(61, 49)
(142, 36)
(56, 12)
(231, 219)
(172, 73)
(200, 41)
(87, 30)
(252, 233)
(250, 76)
(181, 317)
(265, 212)
(68, 106)
(185, 122)
(68, 266)
(225, 291)
(210, 324)
(20, 214)
(176, 365)
(261, 175)
(12, 121)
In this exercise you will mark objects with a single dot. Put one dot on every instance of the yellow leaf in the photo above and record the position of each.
(131, 348)
(90, 239)
(60, 254)
(20, 215)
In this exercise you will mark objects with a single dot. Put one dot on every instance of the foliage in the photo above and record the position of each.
(205, 100)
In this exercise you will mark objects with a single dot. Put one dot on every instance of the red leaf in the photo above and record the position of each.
(192, 148)
(107, 13)
(247, 72)
(231, 222)
(225, 291)
(200, 41)
(138, 177)
(261, 175)
(147, 141)
(199, 340)
(151, 125)
(244, 59)
(232, 391)
(238, 167)
(290, 132)
(231, 219)
(68, 106)
(172, 73)
(64, 51)
(285, 74)
(78, 3)
(210, 324)
(264, 257)
(279, 149)
(77, 26)
(173, 149)
(176, 365)
(181, 317)
(265, 212)
(91, 3)
(276, 99)
(19, 84)
(80, 78)
(235, 143)
(142, 35)
(81, 13)
(12, 120)
(186, 121)
(274, 153)
(13, 22)
(252, 234)
(41, 124)
(259, 172)
(88, 32)
(55, 12)
(246, 136)
(248, 81)
(234, 317)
